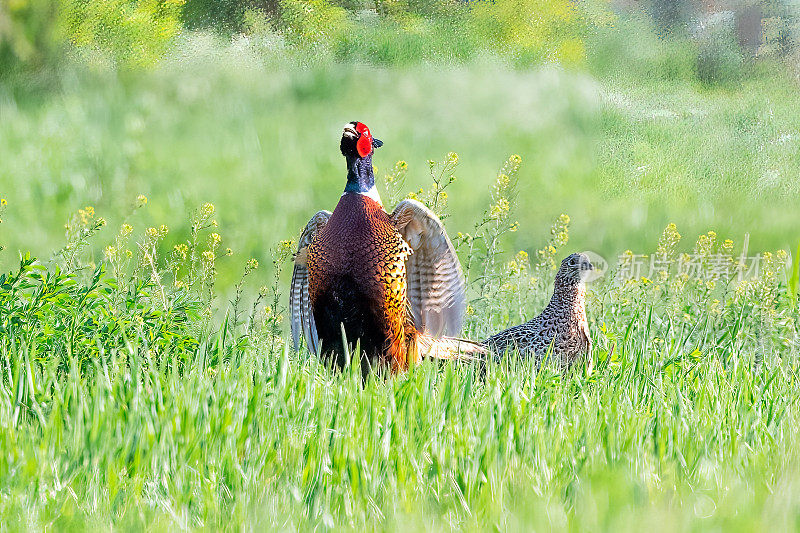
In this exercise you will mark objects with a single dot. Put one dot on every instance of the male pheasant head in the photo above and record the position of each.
(575, 268)
(357, 141)
(357, 146)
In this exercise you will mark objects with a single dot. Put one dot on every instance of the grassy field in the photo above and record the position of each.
(258, 136)
(148, 385)
(120, 407)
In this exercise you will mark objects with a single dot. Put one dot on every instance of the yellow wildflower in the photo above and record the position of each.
(182, 250)
(207, 209)
(503, 181)
(501, 208)
(86, 214)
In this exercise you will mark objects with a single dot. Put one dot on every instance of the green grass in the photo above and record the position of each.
(155, 390)
(272, 442)
(688, 420)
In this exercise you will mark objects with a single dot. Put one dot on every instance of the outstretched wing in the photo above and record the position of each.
(299, 300)
(435, 283)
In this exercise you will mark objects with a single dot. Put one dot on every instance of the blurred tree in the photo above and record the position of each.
(29, 35)
(35, 34)
(226, 16)
(532, 31)
(672, 15)
(132, 33)
(312, 22)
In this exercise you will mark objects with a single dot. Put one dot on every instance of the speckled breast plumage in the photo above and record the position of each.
(357, 278)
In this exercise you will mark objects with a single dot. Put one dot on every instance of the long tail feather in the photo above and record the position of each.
(449, 348)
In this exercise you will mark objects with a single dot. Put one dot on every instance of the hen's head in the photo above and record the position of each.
(575, 268)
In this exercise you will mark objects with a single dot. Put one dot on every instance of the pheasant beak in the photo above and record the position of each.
(350, 131)
(377, 143)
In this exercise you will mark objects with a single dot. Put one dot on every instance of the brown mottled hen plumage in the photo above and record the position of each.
(562, 325)
(392, 283)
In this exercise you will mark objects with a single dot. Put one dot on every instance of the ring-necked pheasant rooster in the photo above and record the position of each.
(389, 281)
(562, 325)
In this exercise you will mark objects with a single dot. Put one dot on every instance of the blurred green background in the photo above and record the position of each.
(627, 117)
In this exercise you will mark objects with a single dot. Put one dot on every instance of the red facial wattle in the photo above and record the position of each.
(364, 143)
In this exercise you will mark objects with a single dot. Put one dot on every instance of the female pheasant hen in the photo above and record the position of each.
(392, 282)
(562, 325)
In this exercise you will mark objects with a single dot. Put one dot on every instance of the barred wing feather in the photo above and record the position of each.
(300, 302)
(435, 282)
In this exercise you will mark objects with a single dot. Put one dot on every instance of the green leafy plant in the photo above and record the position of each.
(794, 278)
